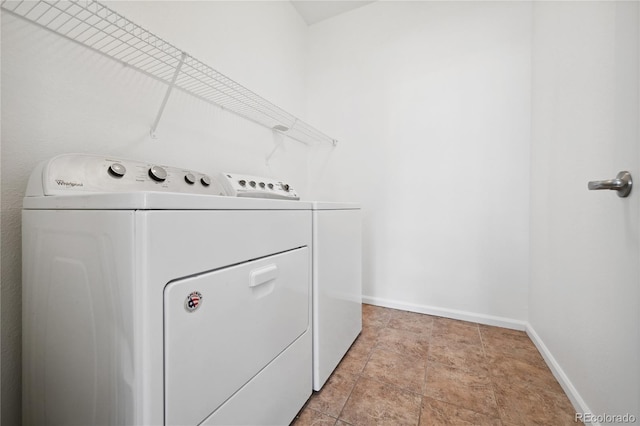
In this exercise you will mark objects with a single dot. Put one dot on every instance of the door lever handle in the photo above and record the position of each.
(622, 184)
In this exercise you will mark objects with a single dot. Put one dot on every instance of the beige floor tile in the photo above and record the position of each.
(354, 360)
(334, 394)
(369, 333)
(411, 321)
(406, 368)
(375, 316)
(530, 405)
(490, 330)
(377, 403)
(404, 342)
(519, 372)
(404, 371)
(459, 355)
(366, 340)
(456, 331)
(436, 413)
(310, 417)
(515, 344)
(471, 390)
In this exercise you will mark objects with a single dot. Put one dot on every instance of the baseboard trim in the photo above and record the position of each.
(572, 393)
(447, 313)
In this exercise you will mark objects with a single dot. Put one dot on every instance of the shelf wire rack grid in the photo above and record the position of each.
(103, 30)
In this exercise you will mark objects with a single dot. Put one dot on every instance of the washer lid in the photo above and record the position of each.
(157, 201)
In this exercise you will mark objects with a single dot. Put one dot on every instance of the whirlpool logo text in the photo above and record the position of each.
(64, 183)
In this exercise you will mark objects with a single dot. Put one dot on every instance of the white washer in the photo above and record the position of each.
(337, 269)
(150, 299)
(337, 284)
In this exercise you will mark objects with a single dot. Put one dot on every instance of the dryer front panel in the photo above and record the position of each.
(223, 327)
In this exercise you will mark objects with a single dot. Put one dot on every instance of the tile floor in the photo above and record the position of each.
(413, 369)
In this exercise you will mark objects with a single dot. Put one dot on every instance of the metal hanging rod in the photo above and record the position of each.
(105, 31)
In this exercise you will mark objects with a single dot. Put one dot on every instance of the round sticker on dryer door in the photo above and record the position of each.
(193, 301)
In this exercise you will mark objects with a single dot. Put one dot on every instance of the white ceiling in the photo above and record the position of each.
(313, 11)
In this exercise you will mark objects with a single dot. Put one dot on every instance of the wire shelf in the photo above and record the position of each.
(105, 31)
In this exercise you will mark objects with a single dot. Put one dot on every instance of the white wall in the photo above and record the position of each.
(584, 298)
(60, 97)
(431, 104)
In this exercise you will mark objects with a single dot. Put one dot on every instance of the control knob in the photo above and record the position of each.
(286, 187)
(117, 170)
(252, 184)
(205, 180)
(157, 173)
(242, 182)
(190, 178)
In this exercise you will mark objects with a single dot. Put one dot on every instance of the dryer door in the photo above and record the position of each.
(224, 326)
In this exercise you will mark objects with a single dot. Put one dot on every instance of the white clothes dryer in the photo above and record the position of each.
(337, 269)
(337, 284)
(150, 299)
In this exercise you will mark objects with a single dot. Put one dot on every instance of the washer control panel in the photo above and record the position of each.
(240, 185)
(84, 173)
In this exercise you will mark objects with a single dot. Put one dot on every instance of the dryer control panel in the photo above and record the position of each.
(83, 173)
(240, 185)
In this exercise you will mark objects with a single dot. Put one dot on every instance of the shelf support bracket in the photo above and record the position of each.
(154, 127)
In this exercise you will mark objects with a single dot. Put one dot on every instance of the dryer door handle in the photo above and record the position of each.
(263, 275)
